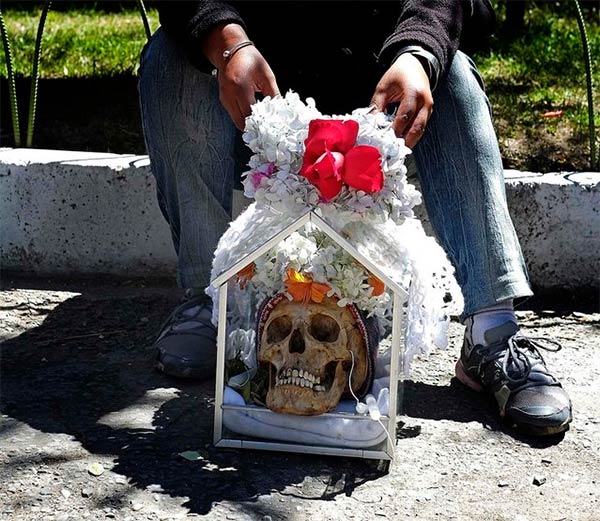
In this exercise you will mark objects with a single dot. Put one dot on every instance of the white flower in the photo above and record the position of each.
(381, 226)
(276, 131)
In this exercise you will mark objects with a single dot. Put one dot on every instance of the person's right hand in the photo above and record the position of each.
(243, 75)
(246, 73)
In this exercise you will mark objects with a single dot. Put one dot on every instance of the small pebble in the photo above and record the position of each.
(96, 469)
(136, 506)
(503, 484)
(65, 493)
(86, 492)
(539, 480)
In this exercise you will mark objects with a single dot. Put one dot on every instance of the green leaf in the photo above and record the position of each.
(191, 455)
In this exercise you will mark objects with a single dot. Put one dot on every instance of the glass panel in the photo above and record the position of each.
(296, 352)
(251, 235)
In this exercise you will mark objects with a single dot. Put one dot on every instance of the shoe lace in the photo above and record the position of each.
(517, 353)
(179, 316)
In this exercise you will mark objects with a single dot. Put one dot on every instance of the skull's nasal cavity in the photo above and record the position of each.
(297, 342)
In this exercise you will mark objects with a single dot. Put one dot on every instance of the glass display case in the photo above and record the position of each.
(310, 364)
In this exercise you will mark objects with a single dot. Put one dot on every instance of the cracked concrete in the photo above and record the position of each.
(78, 391)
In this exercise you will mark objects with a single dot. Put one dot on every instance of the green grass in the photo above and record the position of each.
(78, 43)
(544, 70)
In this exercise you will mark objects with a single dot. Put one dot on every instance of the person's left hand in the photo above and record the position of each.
(407, 83)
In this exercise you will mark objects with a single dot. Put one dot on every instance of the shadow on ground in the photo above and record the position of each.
(92, 356)
(57, 380)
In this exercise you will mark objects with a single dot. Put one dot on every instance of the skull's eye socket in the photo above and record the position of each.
(324, 328)
(279, 329)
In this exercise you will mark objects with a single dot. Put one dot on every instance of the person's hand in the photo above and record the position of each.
(406, 82)
(242, 76)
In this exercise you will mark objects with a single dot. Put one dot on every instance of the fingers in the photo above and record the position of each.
(415, 131)
(405, 114)
(379, 99)
(412, 117)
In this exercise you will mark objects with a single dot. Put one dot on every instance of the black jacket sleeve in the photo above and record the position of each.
(188, 21)
(440, 27)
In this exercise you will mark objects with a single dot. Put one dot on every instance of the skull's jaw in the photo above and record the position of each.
(306, 394)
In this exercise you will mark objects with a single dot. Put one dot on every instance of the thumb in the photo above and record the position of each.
(270, 87)
(268, 83)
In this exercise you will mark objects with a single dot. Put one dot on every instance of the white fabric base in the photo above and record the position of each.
(308, 430)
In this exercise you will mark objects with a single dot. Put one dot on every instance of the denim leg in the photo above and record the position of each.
(192, 143)
(462, 180)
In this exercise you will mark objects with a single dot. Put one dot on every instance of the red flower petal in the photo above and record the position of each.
(333, 135)
(362, 169)
(326, 174)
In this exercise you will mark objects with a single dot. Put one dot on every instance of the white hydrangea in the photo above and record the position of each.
(276, 131)
(381, 226)
(310, 251)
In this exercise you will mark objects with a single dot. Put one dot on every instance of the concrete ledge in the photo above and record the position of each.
(557, 218)
(89, 213)
(81, 213)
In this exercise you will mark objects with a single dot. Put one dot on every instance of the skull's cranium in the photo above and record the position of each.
(307, 349)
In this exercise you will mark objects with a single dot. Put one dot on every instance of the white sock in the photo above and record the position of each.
(488, 318)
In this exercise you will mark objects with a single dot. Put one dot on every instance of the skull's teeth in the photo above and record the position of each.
(289, 376)
(304, 379)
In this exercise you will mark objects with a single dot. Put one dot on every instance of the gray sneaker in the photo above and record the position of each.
(187, 344)
(512, 369)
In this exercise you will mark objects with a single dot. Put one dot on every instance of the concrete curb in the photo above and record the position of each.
(65, 212)
(81, 213)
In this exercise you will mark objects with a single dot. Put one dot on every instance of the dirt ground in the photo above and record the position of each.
(90, 431)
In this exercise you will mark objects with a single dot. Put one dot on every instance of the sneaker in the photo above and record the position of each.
(187, 344)
(511, 368)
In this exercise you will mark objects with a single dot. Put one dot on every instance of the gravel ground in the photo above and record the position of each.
(90, 431)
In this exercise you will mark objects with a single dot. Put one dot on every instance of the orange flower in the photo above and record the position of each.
(377, 285)
(245, 274)
(303, 289)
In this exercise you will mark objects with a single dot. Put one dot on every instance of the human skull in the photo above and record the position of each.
(307, 350)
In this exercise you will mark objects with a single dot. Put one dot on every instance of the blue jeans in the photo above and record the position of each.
(196, 155)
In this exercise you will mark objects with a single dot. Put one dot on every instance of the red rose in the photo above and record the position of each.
(362, 169)
(328, 135)
(332, 159)
(326, 175)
